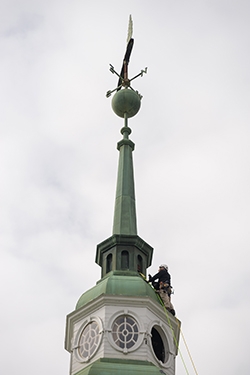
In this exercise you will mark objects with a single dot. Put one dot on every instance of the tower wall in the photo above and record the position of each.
(143, 313)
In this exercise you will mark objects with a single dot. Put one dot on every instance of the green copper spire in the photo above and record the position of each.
(125, 103)
(119, 326)
(125, 211)
(125, 253)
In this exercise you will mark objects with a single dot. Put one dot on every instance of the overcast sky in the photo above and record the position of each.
(58, 165)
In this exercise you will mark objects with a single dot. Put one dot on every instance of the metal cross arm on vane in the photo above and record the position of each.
(140, 74)
(123, 80)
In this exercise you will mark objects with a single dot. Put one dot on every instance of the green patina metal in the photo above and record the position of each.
(125, 250)
(124, 242)
(109, 366)
(125, 212)
(119, 283)
(123, 254)
(126, 101)
(138, 251)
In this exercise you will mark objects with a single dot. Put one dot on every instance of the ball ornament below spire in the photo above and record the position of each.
(126, 101)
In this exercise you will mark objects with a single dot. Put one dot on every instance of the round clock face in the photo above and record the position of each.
(89, 340)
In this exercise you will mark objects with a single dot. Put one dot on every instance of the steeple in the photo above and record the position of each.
(119, 326)
(125, 251)
(126, 103)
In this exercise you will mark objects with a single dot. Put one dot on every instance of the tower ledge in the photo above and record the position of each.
(113, 367)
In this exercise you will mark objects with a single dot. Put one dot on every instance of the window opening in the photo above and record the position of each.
(109, 263)
(158, 345)
(89, 340)
(125, 332)
(125, 260)
(139, 263)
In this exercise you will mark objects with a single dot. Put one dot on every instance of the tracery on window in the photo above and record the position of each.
(89, 340)
(125, 332)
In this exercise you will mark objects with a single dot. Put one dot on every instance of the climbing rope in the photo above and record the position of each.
(175, 339)
(189, 354)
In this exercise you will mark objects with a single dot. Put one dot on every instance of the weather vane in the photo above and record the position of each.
(124, 81)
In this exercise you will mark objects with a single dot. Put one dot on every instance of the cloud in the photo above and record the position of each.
(59, 163)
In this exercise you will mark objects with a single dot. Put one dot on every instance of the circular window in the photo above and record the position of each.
(125, 332)
(88, 341)
(159, 345)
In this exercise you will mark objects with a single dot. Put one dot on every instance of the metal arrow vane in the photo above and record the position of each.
(123, 80)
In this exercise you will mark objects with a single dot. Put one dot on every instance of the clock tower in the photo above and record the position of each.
(120, 326)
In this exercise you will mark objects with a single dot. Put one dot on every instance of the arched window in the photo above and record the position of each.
(109, 263)
(139, 263)
(125, 260)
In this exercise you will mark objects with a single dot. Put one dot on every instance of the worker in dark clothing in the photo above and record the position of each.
(163, 286)
(162, 276)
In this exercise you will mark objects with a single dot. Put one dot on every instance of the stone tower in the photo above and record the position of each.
(119, 327)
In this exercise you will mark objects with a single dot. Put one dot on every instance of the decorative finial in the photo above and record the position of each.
(126, 103)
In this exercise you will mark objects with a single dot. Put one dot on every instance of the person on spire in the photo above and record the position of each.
(163, 286)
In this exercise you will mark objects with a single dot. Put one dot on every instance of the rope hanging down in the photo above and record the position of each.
(175, 340)
(189, 354)
(172, 330)
(174, 337)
